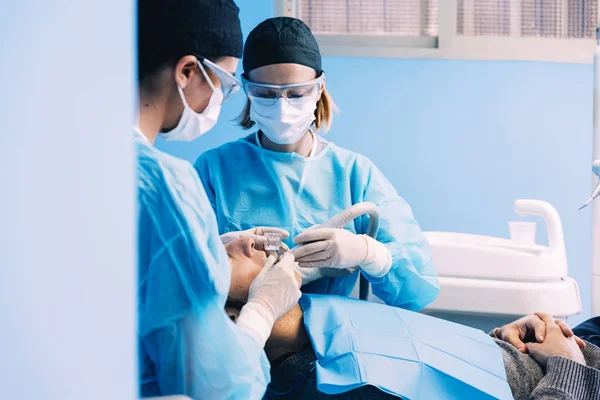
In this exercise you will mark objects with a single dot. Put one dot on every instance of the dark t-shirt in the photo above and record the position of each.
(589, 330)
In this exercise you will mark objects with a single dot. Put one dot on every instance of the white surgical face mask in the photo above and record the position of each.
(193, 125)
(285, 121)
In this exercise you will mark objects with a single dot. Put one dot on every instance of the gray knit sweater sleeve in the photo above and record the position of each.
(564, 379)
(522, 372)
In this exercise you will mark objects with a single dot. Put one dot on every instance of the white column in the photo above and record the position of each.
(596, 204)
(67, 240)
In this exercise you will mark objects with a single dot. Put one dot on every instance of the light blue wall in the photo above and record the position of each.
(461, 140)
(67, 266)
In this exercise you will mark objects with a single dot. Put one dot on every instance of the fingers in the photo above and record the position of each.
(316, 264)
(259, 240)
(313, 227)
(318, 256)
(513, 338)
(537, 326)
(547, 318)
(286, 259)
(229, 237)
(261, 230)
(314, 235)
(579, 342)
(566, 329)
(271, 260)
(303, 251)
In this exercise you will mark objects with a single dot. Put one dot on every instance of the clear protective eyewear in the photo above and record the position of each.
(230, 85)
(266, 92)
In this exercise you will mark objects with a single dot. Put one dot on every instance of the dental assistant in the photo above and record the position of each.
(286, 175)
(187, 53)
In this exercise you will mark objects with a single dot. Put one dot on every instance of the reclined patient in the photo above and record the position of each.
(331, 347)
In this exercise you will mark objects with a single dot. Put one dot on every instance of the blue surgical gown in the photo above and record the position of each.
(250, 186)
(187, 344)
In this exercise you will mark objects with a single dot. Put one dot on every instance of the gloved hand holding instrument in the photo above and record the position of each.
(328, 246)
(271, 295)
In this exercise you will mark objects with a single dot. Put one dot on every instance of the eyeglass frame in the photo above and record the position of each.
(234, 86)
(320, 80)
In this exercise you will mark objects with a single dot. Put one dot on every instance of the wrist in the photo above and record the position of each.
(256, 320)
(379, 259)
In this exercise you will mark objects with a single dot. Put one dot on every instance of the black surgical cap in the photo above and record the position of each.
(281, 40)
(171, 29)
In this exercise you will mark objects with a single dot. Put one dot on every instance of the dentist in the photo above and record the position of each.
(188, 51)
(286, 175)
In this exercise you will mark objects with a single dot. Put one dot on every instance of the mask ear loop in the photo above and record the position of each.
(210, 82)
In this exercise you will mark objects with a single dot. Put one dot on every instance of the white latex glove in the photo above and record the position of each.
(282, 250)
(271, 295)
(312, 274)
(339, 248)
(255, 233)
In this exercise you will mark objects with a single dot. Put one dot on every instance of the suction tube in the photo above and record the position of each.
(340, 220)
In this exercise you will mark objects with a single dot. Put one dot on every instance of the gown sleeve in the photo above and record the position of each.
(412, 281)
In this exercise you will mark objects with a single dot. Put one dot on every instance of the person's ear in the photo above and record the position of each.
(185, 69)
(323, 85)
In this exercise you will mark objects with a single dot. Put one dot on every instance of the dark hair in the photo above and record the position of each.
(236, 304)
(168, 30)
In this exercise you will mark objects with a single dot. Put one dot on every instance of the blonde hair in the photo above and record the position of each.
(323, 113)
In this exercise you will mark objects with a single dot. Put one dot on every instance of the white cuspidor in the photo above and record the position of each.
(487, 280)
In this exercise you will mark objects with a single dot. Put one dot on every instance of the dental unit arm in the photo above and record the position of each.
(340, 220)
(596, 192)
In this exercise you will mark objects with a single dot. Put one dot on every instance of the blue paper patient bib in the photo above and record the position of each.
(401, 352)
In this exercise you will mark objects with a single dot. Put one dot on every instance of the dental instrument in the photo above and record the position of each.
(595, 194)
(273, 241)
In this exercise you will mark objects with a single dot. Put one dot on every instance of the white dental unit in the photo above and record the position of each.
(487, 281)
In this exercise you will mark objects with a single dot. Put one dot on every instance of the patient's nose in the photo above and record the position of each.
(248, 246)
